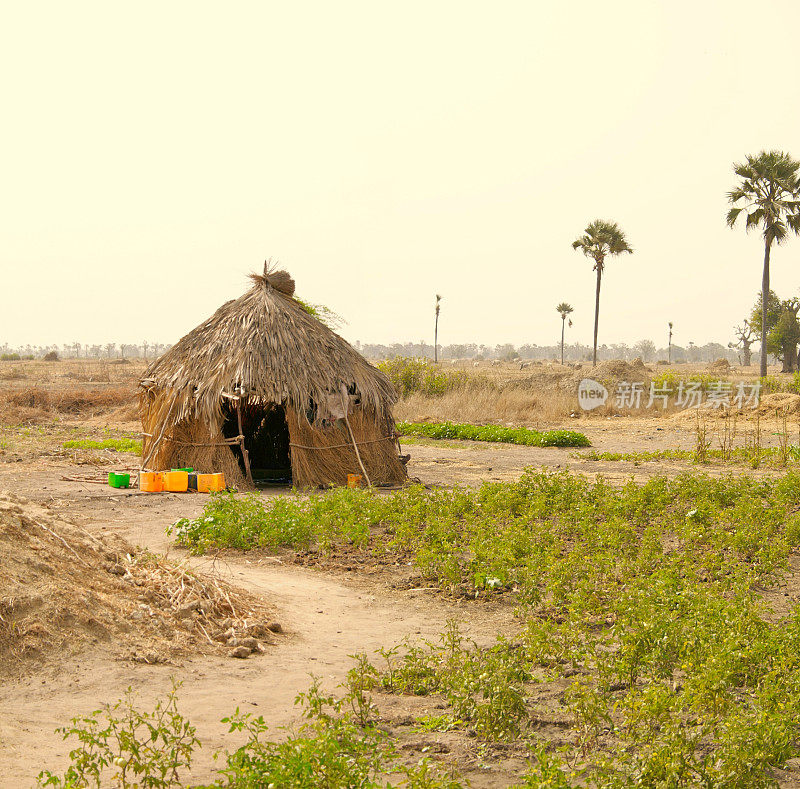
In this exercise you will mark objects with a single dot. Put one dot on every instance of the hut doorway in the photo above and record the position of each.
(266, 438)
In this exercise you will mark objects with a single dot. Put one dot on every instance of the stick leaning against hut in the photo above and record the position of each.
(261, 378)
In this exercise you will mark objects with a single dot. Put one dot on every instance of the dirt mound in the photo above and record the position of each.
(769, 404)
(779, 401)
(63, 590)
(551, 377)
(719, 366)
(619, 370)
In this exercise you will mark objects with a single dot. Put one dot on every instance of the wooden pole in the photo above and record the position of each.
(143, 467)
(245, 453)
(353, 439)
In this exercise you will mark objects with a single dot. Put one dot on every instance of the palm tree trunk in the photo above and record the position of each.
(563, 318)
(596, 313)
(436, 340)
(764, 303)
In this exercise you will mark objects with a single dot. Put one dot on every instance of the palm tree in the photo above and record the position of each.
(436, 332)
(563, 310)
(768, 194)
(669, 344)
(599, 240)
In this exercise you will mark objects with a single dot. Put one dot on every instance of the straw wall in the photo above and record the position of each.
(186, 444)
(319, 456)
(323, 457)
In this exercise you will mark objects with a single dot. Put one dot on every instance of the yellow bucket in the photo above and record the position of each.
(206, 483)
(176, 481)
(151, 481)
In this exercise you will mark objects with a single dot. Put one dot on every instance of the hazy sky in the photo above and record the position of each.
(155, 153)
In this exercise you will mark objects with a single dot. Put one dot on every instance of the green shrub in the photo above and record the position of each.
(9, 357)
(412, 376)
(771, 383)
(244, 522)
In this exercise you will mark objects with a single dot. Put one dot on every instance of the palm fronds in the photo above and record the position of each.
(768, 194)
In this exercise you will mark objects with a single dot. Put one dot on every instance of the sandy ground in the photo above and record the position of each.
(328, 615)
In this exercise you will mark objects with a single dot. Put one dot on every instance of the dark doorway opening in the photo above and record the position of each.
(266, 438)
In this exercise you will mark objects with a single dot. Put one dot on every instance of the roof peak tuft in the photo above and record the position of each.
(279, 279)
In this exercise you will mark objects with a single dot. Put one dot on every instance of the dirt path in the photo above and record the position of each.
(326, 619)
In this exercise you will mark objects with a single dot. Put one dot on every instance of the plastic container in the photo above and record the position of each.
(119, 480)
(354, 480)
(151, 481)
(176, 481)
(208, 483)
(188, 470)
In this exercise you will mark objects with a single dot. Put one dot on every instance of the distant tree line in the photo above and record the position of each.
(576, 352)
(76, 350)
(782, 318)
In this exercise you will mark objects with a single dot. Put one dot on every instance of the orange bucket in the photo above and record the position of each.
(176, 481)
(151, 481)
(207, 483)
(354, 480)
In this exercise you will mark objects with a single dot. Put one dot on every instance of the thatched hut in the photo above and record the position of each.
(263, 390)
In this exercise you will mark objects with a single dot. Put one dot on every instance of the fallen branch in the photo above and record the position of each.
(68, 546)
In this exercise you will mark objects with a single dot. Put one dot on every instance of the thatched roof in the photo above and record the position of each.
(264, 346)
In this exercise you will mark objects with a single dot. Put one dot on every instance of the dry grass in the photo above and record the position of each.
(488, 406)
(37, 404)
(66, 372)
(541, 394)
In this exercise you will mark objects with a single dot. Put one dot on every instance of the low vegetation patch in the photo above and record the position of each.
(746, 455)
(647, 652)
(133, 445)
(339, 745)
(495, 434)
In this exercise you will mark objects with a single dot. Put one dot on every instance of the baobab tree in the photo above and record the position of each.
(745, 337)
(563, 310)
(599, 240)
(768, 194)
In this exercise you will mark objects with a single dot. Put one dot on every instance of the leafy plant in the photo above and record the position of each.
(648, 595)
(127, 746)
